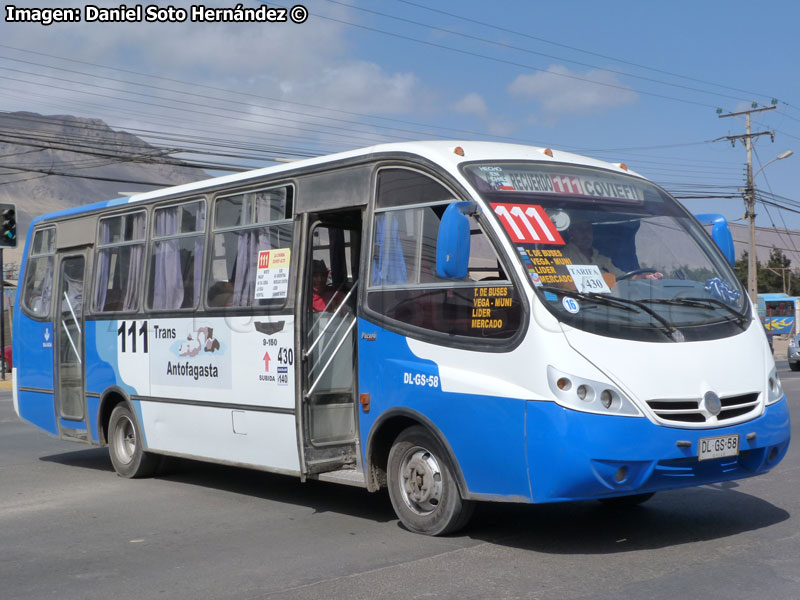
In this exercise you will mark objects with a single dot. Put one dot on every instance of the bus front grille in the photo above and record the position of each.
(692, 412)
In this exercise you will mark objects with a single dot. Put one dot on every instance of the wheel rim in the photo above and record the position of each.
(125, 440)
(420, 481)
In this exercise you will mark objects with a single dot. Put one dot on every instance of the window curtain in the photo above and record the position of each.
(135, 261)
(167, 277)
(103, 264)
(388, 262)
(200, 226)
(249, 244)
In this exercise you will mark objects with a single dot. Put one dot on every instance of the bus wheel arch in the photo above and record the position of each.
(408, 455)
(108, 402)
(121, 432)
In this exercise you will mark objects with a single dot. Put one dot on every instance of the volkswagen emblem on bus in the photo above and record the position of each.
(712, 403)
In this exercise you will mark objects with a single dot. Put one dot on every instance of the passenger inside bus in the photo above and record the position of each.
(324, 296)
(220, 294)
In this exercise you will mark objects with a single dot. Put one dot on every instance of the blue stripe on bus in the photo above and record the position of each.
(575, 455)
(101, 358)
(35, 352)
(38, 408)
(486, 434)
(80, 209)
(570, 455)
(92, 410)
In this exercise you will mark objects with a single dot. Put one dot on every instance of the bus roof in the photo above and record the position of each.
(440, 152)
(777, 297)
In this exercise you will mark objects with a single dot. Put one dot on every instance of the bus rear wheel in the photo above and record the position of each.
(126, 448)
(422, 485)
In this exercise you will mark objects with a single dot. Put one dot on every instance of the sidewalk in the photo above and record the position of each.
(779, 345)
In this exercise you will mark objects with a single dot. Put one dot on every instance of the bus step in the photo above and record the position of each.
(344, 476)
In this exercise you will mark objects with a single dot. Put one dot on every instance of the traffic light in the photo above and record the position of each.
(8, 226)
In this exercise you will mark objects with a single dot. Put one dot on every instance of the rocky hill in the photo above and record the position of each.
(50, 163)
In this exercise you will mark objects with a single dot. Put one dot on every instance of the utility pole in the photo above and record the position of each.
(782, 272)
(750, 193)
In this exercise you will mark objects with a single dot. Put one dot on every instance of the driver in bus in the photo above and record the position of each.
(581, 251)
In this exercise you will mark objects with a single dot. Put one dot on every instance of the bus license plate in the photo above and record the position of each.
(718, 447)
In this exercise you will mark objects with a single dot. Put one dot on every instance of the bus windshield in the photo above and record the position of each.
(613, 254)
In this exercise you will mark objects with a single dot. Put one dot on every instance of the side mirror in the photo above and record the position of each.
(720, 233)
(452, 243)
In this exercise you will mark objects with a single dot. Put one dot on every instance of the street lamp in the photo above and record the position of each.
(781, 156)
(750, 200)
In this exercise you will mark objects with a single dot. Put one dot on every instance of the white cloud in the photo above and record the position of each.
(500, 126)
(367, 86)
(311, 64)
(472, 104)
(560, 91)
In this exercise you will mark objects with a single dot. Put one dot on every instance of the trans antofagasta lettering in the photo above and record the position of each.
(186, 369)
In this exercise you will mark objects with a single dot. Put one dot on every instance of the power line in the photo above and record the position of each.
(509, 62)
(263, 121)
(567, 46)
(262, 97)
(529, 51)
(77, 143)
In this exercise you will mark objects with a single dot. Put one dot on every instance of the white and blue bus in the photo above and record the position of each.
(456, 322)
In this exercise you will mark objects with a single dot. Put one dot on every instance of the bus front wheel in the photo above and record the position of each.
(422, 485)
(125, 446)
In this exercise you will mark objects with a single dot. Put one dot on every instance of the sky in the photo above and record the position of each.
(636, 82)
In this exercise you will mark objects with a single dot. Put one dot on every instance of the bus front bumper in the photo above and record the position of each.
(578, 456)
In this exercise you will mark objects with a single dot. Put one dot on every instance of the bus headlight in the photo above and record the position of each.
(588, 395)
(774, 387)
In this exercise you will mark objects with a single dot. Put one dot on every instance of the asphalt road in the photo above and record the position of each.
(70, 528)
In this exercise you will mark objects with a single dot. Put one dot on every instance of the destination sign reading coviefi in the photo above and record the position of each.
(518, 180)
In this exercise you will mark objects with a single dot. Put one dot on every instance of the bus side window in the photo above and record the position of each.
(119, 263)
(176, 262)
(403, 284)
(244, 225)
(37, 289)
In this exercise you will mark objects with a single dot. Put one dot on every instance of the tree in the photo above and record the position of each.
(775, 276)
(740, 267)
(777, 272)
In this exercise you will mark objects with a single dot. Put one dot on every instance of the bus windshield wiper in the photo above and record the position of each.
(622, 303)
(708, 303)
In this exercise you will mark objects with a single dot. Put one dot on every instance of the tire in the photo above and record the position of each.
(422, 485)
(794, 366)
(627, 501)
(126, 447)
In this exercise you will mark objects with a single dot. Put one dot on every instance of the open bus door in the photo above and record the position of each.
(69, 353)
(327, 407)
